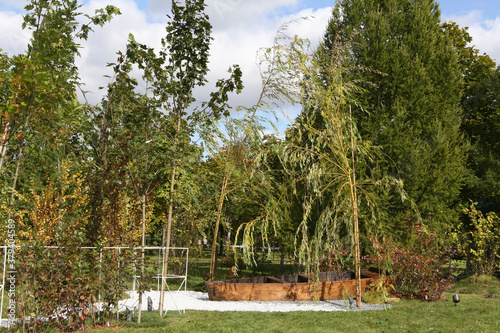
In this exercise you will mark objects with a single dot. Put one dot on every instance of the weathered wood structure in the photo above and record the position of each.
(294, 287)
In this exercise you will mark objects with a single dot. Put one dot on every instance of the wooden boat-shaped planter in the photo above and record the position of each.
(294, 287)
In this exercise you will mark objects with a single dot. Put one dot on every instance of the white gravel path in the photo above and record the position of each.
(193, 300)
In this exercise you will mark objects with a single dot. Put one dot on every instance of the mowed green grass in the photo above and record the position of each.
(474, 314)
(477, 312)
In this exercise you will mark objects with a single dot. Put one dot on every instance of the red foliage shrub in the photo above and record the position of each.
(417, 270)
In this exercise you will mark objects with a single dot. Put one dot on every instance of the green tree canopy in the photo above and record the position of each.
(481, 120)
(410, 104)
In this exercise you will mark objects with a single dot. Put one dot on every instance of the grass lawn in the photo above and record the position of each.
(478, 311)
(474, 314)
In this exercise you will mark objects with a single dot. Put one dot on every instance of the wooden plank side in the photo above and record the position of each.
(277, 291)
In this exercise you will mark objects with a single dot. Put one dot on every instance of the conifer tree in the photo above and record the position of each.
(410, 104)
(481, 120)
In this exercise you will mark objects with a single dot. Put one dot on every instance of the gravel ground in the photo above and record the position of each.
(192, 300)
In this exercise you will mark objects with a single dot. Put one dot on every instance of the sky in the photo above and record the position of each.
(240, 28)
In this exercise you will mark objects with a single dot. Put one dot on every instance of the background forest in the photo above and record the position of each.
(398, 134)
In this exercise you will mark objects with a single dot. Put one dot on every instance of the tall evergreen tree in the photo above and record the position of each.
(481, 120)
(410, 104)
(482, 127)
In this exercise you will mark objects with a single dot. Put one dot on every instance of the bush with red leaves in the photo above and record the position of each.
(417, 270)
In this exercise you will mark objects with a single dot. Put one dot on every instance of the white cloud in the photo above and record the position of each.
(485, 32)
(13, 39)
(240, 45)
(314, 26)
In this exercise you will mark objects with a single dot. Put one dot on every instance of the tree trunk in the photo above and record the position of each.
(357, 256)
(216, 232)
(167, 241)
(14, 183)
(282, 262)
(3, 146)
(142, 256)
(216, 259)
(169, 220)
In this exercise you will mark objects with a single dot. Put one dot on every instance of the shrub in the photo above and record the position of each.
(60, 286)
(417, 270)
(477, 284)
(478, 238)
(51, 291)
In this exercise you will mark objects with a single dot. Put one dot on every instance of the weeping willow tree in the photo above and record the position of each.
(236, 146)
(329, 169)
(231, 144)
